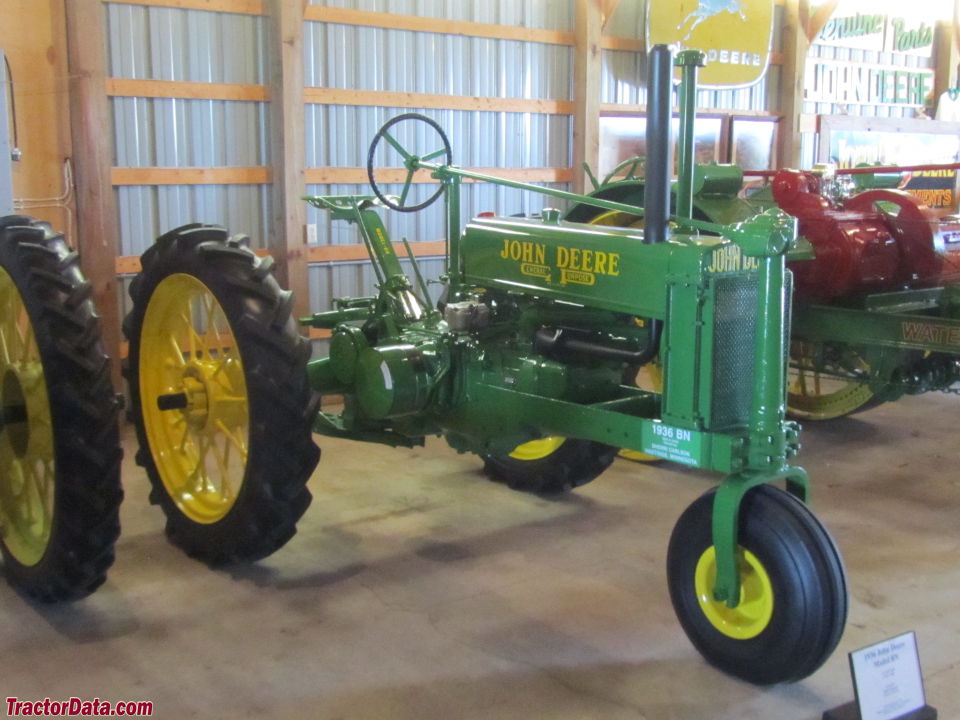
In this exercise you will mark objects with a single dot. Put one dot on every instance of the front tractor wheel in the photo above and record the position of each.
(793, 595)
(551, 465)
(220, 397)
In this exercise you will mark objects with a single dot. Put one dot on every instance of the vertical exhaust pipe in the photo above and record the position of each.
(659, 165)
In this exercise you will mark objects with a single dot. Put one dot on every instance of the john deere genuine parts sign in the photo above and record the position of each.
(734, 34)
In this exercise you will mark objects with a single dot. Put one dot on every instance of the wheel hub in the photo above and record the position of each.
(755, 608)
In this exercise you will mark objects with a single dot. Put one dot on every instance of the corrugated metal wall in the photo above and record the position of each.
(155, 43)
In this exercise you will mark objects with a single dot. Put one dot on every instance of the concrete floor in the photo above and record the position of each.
(415, 588)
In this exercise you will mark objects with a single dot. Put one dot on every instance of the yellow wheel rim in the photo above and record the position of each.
(752, 615)
(189, 357)
(27, 469)
(819, 395)
(537, 449)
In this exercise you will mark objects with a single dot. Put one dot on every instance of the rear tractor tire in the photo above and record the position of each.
(59, 442)
(551, 465)
(219, 395)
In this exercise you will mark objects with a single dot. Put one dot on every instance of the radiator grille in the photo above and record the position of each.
(734, 327)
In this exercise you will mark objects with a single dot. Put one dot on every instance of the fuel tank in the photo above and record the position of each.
(875, 241)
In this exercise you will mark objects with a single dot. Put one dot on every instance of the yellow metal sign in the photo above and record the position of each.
(735, 35)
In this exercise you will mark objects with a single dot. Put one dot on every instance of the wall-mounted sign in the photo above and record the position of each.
(839, 81)
(735, 35)
(880, 33)
(900, 146)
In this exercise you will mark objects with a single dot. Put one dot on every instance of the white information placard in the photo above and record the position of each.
(887, 678)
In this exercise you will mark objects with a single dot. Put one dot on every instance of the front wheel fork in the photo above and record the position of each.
(726, 521)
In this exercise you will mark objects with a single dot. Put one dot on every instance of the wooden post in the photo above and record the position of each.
(98, 230)
(288, 242)
(795, 47)
(946, 59)
(586, 80)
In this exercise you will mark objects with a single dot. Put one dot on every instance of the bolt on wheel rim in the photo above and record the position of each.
(752, 614)
(27, 468)
(194, 398)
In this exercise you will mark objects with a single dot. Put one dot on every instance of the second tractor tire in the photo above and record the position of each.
(219, 395)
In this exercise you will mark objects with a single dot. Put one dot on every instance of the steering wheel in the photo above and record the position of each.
(410, 161)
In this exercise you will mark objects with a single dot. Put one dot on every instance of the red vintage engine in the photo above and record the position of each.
(877, 240)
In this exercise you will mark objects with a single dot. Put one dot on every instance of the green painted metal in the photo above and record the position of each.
(899, 330)
(688, 61)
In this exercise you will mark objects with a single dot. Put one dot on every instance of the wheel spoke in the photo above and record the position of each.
(198, 477)
(238, 443)
(176, 353)
(31, 353)
(406, 187)
(187, 324)
(221, 459)
(41, 503)
(6, 326)
(431, 155)
(397, 146)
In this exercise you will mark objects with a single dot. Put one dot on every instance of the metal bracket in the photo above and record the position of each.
(726, 521)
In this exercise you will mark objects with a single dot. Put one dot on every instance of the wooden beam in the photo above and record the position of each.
(625, 109)
(609, 42)
(608, 8)
(319, 254)
(417, 23)
(359, 253)
(358, 176)
(124, 87)
(190, 176)
(796, 43)
(124, 176)
(588, 18)
(98, 229)
(240, 7)
(946, 58)
(382, 98)
(288, 241)
(814, 24)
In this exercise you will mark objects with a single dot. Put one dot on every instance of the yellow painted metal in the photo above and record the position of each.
(188, 348)
(752, 615)
(817, 394)
(735, 37)
(27, 463)
(537, 449)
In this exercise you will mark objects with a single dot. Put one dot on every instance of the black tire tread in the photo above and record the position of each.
(84, 411)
